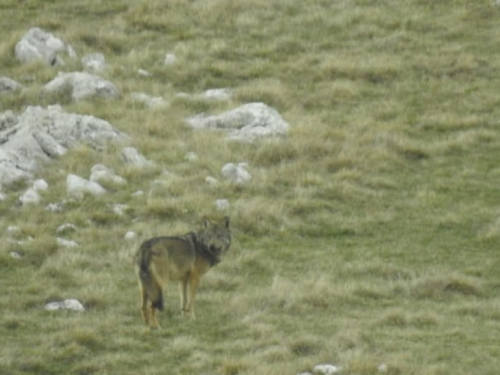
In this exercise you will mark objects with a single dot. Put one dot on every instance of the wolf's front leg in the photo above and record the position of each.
(194, 280)
(183, 288)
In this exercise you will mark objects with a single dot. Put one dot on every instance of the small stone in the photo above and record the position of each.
(30, 196)
(382, 367)
(8, 85)
(66, 243)
(119, 209)
(326, 369)
(77, 186)
(222, 204)
(217, 94)
(130, 236)
(82, 85)
(138, 193)
(66, 228)
(40, 185)
(13, 230)
(132, 157)
(94, 62)
(55, 207)
(211, 181)
(100, 172)
(143, 73)
(191, 156)
(15, 255)
(149, 101)
(68, 304)
(170, 59)
(236, 173)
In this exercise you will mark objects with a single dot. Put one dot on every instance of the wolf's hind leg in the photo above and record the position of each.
(154, 321)
(144, 304)
(183, 289)
(156, 299)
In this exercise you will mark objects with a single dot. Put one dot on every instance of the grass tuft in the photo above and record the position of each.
(438, 287)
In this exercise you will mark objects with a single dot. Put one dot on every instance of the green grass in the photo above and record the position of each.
(369, 236)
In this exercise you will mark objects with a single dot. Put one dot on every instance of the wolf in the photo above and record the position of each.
(179, 258)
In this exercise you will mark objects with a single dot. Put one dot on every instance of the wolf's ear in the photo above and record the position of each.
(226, 221)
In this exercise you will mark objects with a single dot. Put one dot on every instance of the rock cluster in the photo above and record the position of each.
(41, 134)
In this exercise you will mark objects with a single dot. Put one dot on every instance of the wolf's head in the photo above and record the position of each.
(216, 237)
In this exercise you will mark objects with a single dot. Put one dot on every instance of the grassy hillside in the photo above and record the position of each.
(369, 236)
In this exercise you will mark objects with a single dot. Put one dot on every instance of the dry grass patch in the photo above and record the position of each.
(445, 286)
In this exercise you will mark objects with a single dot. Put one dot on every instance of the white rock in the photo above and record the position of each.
(40, 185)
(212, 181)
(382, 367)
(118, 180)
(138, 193)
(13, 230)
(217, 94)
(71, 51)
(94, 62)
(77, 186)
(15, 255)
(245, 124)
(143, 73)
(149, 101)
(11, 171)
(49, 144)
(170, 59)
(119, 209)
(66, 243)
(191, 156)
(83, 85)
(100, 168)
(326, 369)
(30, 196)
(8, 85)
(237, 173)
(132, 157)
(222, 204)
(55, 207)
(39, 135)
(65, 228)
(130, 236)
(37, 44)
(100, 172)
(69, 304)
(7, 119)
(211, 94)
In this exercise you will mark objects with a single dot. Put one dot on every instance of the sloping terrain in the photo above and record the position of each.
(366, 238)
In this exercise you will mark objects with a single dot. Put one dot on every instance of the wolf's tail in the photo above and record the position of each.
(147, 278)
(152, 288)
